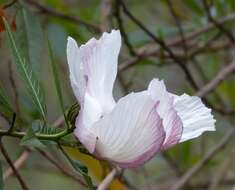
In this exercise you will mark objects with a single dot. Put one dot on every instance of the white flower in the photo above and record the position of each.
(132, 130)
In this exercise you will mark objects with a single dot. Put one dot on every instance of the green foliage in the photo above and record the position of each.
(30, 46)
(79, 167)
(5, 106)
(29, 38)
(57, 81)
(4, 101)
(82, 169)
(49, 130)
(33, 85)
(194, 6)
(31, 140)
(1, 177)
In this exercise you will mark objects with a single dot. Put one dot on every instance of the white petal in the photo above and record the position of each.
(77, 77)
(171, 121)
(196, 117)
(85, 135)
(132, 133)
(100, 59)
(89, 114)
(93, 69)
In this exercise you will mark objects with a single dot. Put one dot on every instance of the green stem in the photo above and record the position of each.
(53, 137)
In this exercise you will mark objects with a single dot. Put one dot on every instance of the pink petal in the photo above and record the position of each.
(100, 59)
(171, 121)
(93, 69)
(132, 133)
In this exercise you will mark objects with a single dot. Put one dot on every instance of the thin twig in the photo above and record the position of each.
(106, 15)
(223, 111)
(220, 173)
(178, 24)
(107, 180)
(198, 166)
(59, 166)
(14, 87)
(172, 164)
(217, 24)
(219, 109)
(162, 44)
(54, 13)
(18, 176)
(122, 29)
(8, 5)
(25, 155)
(17, 164)
(148, 52)
(175, 42)
(124, 180)
(12, 123)
(225, 72)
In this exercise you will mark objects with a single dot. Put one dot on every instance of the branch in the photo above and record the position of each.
(217, 24)
(147, 52)
(224, 111)
(5, 154)
(221, 172)
(8, 5)
(225, 72)
(108, 179)
(197, 167)
(14, 87)
(175, 42)
(122, 29)
(124, 180)
(178, 24)
(162, 44)
(177, 170)
(58, 165)
(106, 15)
(17, 164)
(48, 11)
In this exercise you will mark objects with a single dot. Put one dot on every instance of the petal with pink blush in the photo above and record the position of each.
(93, 69)
(132, 133)
(171, 121)
(100, 59)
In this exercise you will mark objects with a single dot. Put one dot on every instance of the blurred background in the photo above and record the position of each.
(187, 43)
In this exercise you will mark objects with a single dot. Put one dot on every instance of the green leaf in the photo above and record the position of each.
(1, 177)
(79, 167)
(5, 106)
(57, 81)
(39, 127)
(194, 6)
(231, 5)
(4, 101)
(29, 38)
(30, 139)
(27, 74)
